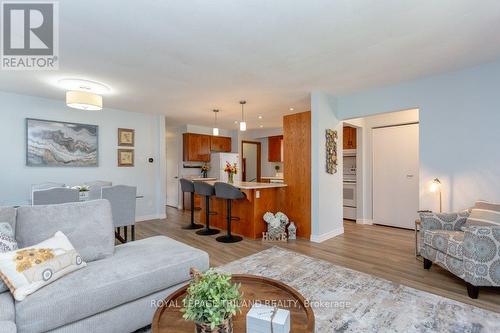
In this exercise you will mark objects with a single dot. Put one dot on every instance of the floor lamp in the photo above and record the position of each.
(436, 187)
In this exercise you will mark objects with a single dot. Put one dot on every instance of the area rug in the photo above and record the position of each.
(345, 300)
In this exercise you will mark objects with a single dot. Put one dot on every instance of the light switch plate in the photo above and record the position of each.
(257, 194)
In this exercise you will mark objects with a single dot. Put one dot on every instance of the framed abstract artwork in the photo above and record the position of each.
(331, 151)
(61, 144)
(125, 157)
(126, 137)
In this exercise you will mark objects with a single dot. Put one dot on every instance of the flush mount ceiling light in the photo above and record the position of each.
(84, 85)
(243, 124)
(291, 109)
(260, 117)
(83, 100)
(215, 130)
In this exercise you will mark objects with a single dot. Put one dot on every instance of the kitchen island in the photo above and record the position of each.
(260, 198)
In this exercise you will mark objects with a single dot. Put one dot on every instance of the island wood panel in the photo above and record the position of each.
(297, 170)
(250, 211)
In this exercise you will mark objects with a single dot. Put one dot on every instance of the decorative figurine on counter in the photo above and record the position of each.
(276, 227)
(292, 231)
(204, 170)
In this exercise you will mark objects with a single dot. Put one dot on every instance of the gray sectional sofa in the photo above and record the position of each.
(117, 289)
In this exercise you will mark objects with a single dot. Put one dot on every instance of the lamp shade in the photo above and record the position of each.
(435, 185)
(215, 131)
(83, 100)
(243, 126)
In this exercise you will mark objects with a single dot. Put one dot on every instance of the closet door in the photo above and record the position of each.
(395, 175)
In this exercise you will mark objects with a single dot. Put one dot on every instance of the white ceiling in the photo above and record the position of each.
(184, 58)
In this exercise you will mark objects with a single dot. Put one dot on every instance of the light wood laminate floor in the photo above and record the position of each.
(378, 250)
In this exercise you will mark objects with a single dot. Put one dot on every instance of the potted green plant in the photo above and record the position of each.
(211, 302)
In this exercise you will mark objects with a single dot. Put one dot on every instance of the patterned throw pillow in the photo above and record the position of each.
(484, 213)
(7, 243)
(26, 270)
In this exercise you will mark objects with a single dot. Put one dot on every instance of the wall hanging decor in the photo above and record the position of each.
(125, 157)
(331, 151)
(276, 227)
(55, 144)
(126, 137)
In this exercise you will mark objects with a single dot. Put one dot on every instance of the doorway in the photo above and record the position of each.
(251, 161)
(373, 187)
(172, 167)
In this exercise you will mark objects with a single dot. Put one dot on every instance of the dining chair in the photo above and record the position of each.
(123, 202)
(46, 186)
(55, 195)
(95, 188)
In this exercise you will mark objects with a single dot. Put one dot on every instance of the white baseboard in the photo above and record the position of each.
(328, 235)
(364, 221)
(150, 217)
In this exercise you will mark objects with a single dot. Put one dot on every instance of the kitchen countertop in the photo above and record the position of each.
(273, 178)
(251, 185)
(198, 178)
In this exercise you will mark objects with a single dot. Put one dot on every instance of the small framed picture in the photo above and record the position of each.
(125, 157)
(126, 137)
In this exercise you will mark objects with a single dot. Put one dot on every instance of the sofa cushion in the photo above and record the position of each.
(8, 214)
(484, 213)
(135, 270)
(7, 310)
(446, 241)
(26, 270)
(7, 244)
(7, 327)
(88, 226)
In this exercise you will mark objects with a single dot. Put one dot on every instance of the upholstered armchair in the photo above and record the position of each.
(469, 252)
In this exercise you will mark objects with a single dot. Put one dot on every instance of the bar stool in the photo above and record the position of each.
(206, 190)
(187, 186)
(230, 193)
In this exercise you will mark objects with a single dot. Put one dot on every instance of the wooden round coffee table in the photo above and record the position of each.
(168, 317)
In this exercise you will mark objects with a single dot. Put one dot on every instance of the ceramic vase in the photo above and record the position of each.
(225, 327)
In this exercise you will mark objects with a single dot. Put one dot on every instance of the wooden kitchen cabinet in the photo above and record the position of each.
(349, 137)
(275, 148)
(220, 144)
(196, 147)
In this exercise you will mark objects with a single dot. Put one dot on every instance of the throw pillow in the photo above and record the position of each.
(7, 244)
(26, 270)
(484, 213)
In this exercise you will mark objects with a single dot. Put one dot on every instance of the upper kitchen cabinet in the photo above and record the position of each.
(349, 137)
(220, 144)
(275, 148)
(196, 147)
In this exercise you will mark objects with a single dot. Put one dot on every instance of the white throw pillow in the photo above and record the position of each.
(24, 271)
(7, 243)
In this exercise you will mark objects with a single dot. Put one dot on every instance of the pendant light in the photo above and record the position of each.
(215, 130)
(243, 124)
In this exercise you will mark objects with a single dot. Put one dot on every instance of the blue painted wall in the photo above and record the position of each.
(459, 130)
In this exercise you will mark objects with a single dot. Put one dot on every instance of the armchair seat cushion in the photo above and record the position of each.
(136, 269)
(446, 241)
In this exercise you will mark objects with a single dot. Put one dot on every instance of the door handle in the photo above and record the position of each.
(409, 176)
(176, 177)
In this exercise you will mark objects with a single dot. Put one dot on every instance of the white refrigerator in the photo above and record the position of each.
(218, 163)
